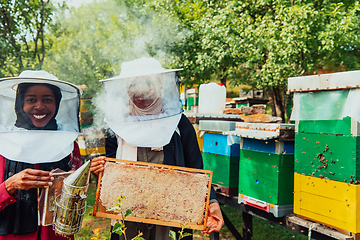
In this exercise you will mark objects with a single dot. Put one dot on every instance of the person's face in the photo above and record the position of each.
(39, 104)
(142, 93)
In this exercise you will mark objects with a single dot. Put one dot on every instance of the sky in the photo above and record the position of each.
(75, 3)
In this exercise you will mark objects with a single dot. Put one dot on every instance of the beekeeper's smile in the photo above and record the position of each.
(39, 104)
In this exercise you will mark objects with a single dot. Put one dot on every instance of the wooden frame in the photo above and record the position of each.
(100, 210)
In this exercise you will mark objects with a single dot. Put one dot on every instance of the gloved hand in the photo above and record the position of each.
(215, 219)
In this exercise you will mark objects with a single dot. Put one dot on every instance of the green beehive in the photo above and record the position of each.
(266, 169)
(332, 156)
(266, 176)
(225, 169)
(346, 126)
(326, 114)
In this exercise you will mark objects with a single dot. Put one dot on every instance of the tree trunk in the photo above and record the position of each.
(224, 76)
(288, 104)
(276, 102)
(272, 102)
(223, 80)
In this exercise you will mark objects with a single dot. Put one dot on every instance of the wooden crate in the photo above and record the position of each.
(266, 176)
(335, 157)
(226, 145)
(161, 171)
(346, 126)
(329, 202)
(225, 171)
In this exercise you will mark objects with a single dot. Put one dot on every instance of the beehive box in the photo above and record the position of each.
(326, 103)
(225, 172)
(221, 155)
(92, 142)
(183, 193)
(226, 145)
(268, 146)
(267, 177)
(199, 135)
(335, 157)
(265, 131)
(347, 126)
(327, 201)
(326, 148)
(266, 166)
(216, 126)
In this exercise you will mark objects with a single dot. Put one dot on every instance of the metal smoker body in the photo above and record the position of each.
(71, 203)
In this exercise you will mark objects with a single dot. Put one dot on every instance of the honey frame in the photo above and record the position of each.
(100, 211)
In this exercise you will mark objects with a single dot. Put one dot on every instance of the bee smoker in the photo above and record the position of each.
(71, 203)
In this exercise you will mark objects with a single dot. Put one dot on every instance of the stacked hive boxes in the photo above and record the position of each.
(92, 142)
(327, 143)
(221, 155)
(266, 166)
(85, 117)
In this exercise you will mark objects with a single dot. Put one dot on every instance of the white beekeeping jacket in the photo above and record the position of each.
(25, 142)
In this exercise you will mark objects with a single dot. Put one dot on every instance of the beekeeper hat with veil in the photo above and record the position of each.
(30, 130)
(142, 103)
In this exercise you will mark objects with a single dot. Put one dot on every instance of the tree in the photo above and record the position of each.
(263, 43)
(91, 42)
(23, 28)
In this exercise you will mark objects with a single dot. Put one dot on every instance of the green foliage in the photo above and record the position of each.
(23, 35)
(119, 226)
(91, 42)
(264, 42)
(81, 45)
(181, 232)
(97, 235)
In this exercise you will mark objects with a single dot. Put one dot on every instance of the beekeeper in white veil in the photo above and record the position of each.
(147, 124)
(38, 128)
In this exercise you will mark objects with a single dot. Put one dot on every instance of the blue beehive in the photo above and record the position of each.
(221, 155)
(226, 145)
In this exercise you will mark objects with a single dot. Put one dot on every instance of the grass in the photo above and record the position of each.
(262, 229)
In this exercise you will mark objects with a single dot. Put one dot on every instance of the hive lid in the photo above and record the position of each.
(331, 81)
(216, 126)
(264, 131)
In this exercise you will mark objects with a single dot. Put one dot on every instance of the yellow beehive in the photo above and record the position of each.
(88, 149)
(333, 203)
(83, 106)
(198, 136)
